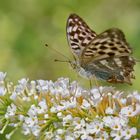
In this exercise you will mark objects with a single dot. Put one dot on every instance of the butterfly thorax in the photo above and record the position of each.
(80, 70)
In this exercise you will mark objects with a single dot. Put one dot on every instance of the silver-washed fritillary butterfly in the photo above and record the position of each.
(107, 55)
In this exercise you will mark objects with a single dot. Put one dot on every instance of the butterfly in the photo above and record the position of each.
(106, 56)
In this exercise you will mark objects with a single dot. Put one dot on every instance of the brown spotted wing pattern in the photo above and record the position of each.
(79, 34)
(106, 56)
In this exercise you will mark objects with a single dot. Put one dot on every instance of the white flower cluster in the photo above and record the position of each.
(63, 110)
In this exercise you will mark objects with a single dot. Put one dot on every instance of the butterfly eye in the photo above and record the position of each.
(73, 65)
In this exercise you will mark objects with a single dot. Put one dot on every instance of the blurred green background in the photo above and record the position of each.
(26, 25)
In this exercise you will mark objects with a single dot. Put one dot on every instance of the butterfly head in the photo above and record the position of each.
(75, 65)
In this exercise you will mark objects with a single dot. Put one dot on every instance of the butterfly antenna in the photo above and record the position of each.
(137, 60)
(56, 60)
(68, 60)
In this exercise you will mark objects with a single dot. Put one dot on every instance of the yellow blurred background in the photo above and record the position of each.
(26, 25)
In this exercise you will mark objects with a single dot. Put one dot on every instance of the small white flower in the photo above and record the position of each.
(36, 97)
(129, 132)
(62, 82)
(102, 136)
(46, 116)
(73, 86)
(69, 138)
(95, 97)
(43, 107)
(109, 110)
(136, 95)
(11, 111)
(58, 137)
(85, 104)
(2, 91)
(96, 93)
(123, 120)
(113, 122)
(49, 135)
(59, 114)
(128, 111)
(86, 137)
(32, 88)
(53, 109)
(60, 131)
(106, 90)
(77, 134)
(30, 122)
(21, 117)
(23, 81)
(15, 125)
(61, 108)
(116, 125)
(68, 104)
(30, 126)
(123, 100)
(78, 92)
(25, 129)
(19, 89)
(8, 136)
(13, 96)
(137, 109)
(116, 135)
(67, 119)
(94, 127)
(79, 123)
(36, 130)
(43, 86)
(32, 112)
(2, 76)
(117, 94)
(108, 120)
(26, 99)
(64, 92)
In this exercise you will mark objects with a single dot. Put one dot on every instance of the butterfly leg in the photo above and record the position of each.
(97, 85)
(90, 83)
(95, 81)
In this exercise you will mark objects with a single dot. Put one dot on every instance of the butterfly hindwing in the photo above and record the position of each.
(115, 70)
(79, 34)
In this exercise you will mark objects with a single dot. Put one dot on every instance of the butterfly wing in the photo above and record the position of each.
(108, 57)
(79, 35)
(113, 70)
(111, 43)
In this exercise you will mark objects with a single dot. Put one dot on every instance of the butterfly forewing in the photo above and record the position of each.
(79, 34)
